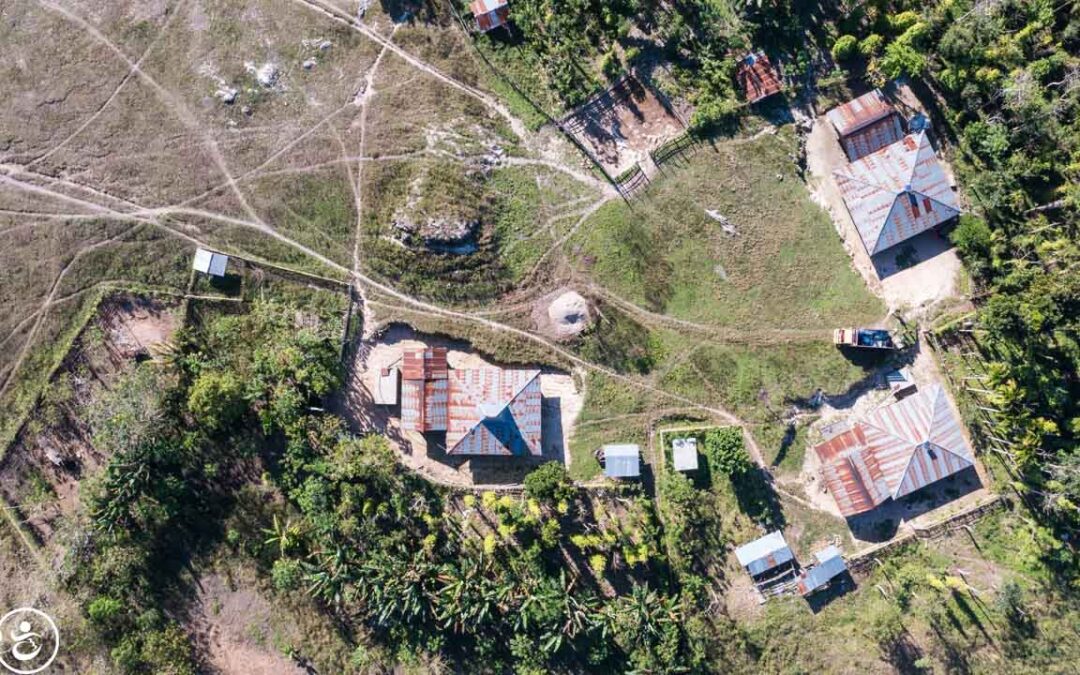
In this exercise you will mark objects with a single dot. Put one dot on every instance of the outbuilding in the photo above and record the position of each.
(866, 124)
(210, 262)
(830, 564)
(621, 460)
(766, 558)
(758, 77)
(490, 14)
(684, 454)
(386, 389)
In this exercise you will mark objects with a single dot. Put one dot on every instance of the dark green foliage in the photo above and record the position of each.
(563, 34)
(845, 48)
(549, 483)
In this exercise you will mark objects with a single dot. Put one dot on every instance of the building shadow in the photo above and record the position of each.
(882, 523)
(840, 586)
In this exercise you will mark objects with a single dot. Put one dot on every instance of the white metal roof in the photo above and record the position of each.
(386, 390)
(765, 553)
(209, 262)
(684, 454)
(622, 460)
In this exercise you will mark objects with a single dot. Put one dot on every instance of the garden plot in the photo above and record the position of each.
(622, 125)
(561, 405)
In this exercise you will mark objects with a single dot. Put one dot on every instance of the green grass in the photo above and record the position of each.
(784, 269)
(316, 210)
(945, 628)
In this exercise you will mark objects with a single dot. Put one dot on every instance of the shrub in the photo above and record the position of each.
(103, 609)
(845, 48)
(899, 23)
(871, 45)
(286, 574)
(216, 399)
(549, 483)
(900, 60)
(598, 563)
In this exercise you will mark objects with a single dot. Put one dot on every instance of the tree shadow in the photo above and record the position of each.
(757, 499)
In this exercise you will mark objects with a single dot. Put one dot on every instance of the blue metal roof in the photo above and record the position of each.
(622, 461)
(761, 555)
(830, 564)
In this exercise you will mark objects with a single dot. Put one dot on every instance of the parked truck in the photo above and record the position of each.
(868, 338)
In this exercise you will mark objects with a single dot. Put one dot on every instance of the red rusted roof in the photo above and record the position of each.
(494, 412)
(894, 451)
(860, 112)
(424, 390)
(490, 14)
(424, 364)
(757, 76)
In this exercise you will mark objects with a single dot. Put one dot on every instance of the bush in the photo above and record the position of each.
(103, 609)
(845, 48)
(286, 574)
(900, 60)
(216, 400)
(899, 23)
(714, 113)
(871, 45)
(549, 483)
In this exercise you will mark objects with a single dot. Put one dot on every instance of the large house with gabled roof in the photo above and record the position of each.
(897, 193)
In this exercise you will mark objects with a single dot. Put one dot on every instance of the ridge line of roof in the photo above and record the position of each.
(517, 392)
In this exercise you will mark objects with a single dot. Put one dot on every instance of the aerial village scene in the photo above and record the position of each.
(528, 336)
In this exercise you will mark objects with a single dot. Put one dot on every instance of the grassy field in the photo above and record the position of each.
(968, 603)
(783, 268)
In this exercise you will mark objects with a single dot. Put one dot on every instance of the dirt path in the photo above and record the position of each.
(173, 105)
(339, 16)
(28, 345)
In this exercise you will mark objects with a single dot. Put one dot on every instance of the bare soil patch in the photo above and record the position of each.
(234, 624)
(620, 126)
(424, 454)
(562, 314)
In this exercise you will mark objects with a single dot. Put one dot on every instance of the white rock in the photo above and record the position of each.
(226, 95)
(309, 64)
(267, 74)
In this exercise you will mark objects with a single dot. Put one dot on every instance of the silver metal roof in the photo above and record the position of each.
(684, 454)
(761, 555)
(830, 564)
(209, 262)
(622, 461)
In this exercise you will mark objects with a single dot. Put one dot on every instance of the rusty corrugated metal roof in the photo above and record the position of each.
(896, 193)
(761, 555)
(758, 77)
(894, 451)
(424, 391)
(490, 14)
(494, 412)
(860, 112)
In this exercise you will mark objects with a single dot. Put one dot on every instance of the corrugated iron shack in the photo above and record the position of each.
(866, 124)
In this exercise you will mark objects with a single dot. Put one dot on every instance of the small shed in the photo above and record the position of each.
(490, 14)
(210, 262)
(684, 454)
(386, 389)
(901, 382)
(866, 124)
(758, 77)
(764, 555)
(622, 460)
(830, 564)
